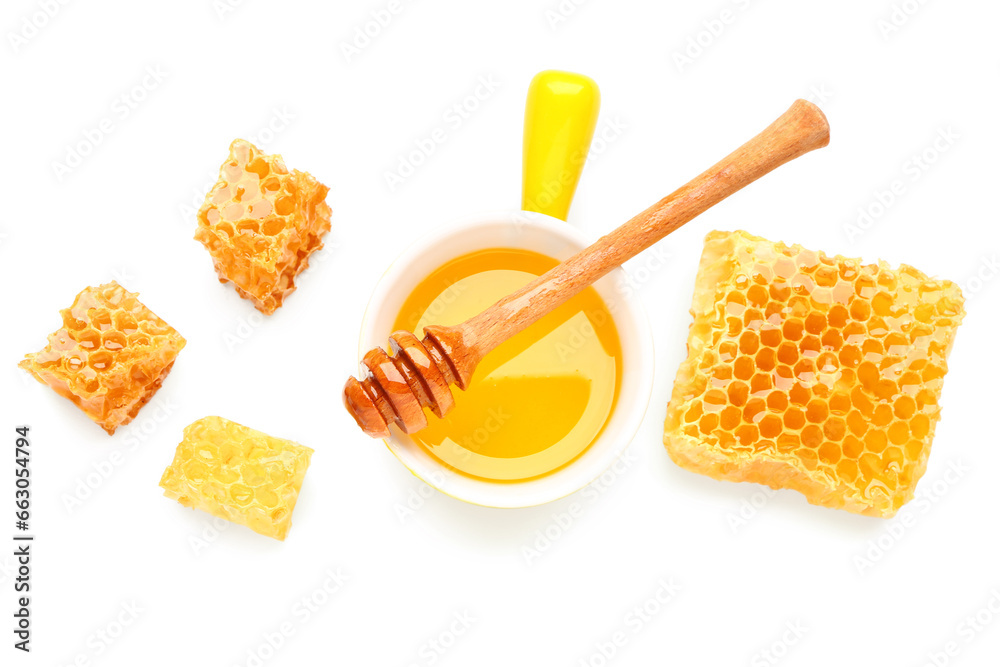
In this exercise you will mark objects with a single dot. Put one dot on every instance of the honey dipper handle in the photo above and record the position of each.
(801, 129)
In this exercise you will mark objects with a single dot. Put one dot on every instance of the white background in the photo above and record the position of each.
(126, 212)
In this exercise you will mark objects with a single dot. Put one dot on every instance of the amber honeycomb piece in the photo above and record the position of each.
(261, 223)
(812, 373)
(110, 356)
(238, 474)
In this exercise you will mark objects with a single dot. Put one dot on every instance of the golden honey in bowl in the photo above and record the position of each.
(538, 400)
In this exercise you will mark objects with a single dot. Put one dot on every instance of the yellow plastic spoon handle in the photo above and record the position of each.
(559, 121)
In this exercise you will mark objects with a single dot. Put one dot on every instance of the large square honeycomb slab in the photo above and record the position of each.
(813, 373)
(110, 356)
(238, 474)
(261, 223)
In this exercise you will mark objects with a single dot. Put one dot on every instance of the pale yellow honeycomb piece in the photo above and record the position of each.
(238, 474)
(813, 373)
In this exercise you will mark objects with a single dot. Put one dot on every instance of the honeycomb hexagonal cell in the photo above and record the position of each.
(261, 223)
(110, 356)
(810, 372)
(238, 474)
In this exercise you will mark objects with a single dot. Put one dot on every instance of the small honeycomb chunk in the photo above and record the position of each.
(261, 223)
(238, 474)
(110, 356)
(812, 373)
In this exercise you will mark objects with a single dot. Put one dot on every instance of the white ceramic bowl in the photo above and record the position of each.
(557, 239)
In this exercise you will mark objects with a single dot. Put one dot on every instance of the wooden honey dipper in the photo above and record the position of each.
(420, 373)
